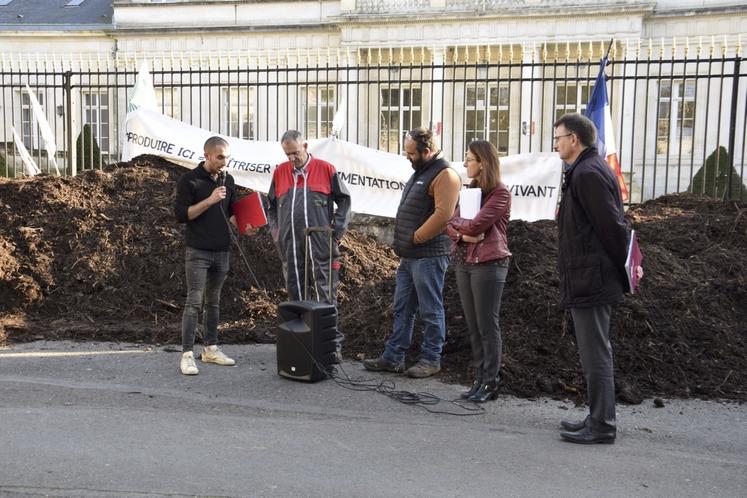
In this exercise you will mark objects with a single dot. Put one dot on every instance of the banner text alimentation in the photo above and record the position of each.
(355, 179)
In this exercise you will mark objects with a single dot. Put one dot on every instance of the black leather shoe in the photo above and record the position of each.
(572, 426)
(381, 365)
(586, 436)
(472, 390)
(487, 392)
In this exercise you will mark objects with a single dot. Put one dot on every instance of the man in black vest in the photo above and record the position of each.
(420, 240)
(592, 248)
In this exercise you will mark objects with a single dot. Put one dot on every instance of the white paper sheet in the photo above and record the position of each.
(469, 202)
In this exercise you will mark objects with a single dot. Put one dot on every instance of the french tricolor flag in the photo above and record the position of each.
(598, 110)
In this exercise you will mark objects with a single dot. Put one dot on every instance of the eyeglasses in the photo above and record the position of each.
(470, 159)
(555, 139)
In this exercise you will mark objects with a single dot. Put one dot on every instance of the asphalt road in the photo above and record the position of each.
(100, 419)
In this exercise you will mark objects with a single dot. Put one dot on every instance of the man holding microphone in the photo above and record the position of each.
(204, 197)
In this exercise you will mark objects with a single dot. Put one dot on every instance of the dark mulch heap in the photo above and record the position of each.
(100, 257)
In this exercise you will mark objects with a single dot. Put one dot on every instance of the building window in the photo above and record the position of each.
(676, 116)
(239, 112)
(401, 111)
(318, 110)
(572, 97)
(96, 114)
(29, 127)
(169, 100)
(486, 115)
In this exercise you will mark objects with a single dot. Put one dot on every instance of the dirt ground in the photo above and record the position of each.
(100, 257)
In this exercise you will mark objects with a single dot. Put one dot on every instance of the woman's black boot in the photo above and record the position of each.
(472, 390)
(487, 392)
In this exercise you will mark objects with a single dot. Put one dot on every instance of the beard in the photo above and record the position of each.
(418, 163)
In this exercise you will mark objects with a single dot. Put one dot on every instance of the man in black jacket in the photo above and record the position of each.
(203, 201)
(593, 240)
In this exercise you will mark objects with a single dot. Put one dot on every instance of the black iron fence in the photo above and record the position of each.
(678, 119)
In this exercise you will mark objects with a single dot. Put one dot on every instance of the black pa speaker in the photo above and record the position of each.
(306, 340)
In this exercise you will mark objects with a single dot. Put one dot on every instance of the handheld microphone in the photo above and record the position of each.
(221, 178)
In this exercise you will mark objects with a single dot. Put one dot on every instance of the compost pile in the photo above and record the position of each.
(100, 257)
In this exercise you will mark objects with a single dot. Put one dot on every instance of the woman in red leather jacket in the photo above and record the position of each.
(481, 256)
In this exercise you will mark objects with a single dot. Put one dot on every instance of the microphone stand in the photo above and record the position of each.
(222, 183)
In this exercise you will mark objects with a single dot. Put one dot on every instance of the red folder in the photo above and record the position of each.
(249, 212)
(634, 260)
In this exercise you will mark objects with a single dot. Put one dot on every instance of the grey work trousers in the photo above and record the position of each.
(592, 326)
(480, 290)
(317, 286)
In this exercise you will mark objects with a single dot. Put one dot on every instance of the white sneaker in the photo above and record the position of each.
(187, 364)
(213, 354)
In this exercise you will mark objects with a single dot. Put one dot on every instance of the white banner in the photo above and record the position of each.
(534, 182)
(44, 130)
(375, 178)
(29, 166)
(143, 95)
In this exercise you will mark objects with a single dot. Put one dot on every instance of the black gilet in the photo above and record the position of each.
(415, 207)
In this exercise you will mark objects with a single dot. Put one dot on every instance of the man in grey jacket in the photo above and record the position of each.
(303, 193)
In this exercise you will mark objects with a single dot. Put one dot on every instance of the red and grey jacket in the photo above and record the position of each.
(301, 198)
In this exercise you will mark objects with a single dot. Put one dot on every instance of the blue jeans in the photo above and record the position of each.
(206, 271)
(420, 285)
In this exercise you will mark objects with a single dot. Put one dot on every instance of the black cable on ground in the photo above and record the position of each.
(387, 387)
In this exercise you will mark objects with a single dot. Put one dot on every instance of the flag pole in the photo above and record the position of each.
(598, 110)
(609, 47)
